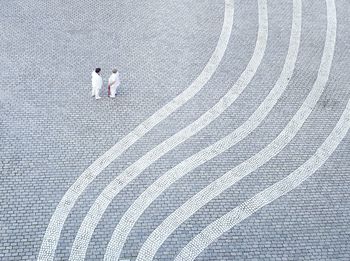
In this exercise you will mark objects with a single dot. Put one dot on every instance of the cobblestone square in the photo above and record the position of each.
(227, 140)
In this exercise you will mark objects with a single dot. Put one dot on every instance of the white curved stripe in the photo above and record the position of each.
(212, 232)
(95, 213)
(159, 235)
(128, 220)
(53, 231)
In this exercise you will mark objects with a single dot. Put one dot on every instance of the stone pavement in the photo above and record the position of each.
(227, 139)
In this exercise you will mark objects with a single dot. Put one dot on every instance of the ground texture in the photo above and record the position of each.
(266, 82)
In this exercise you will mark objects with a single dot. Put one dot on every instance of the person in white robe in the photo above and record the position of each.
(114, 82)
(96, 82)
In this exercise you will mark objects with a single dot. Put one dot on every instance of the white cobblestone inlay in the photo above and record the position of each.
(101, 203)
(173, 221)
(128, 220)
(53, 231)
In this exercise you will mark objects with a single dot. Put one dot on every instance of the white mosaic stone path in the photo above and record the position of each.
(53, 231)
(128, 220)
(174, 220)
(95, 213)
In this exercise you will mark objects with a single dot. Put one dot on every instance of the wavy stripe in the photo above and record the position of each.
(101, 203)
(134, 212)
(53, 231)
(159, 235)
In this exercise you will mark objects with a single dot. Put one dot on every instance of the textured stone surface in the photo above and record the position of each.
(51, 130)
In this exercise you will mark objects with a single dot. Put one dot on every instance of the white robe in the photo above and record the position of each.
(114, 78)
(96, 82)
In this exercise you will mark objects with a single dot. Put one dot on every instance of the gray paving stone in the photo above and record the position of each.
(51, 130)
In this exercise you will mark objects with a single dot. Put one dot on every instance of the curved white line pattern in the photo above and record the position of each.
(212, 232)
(95, 213)
(128, 220)
(159, 235)
(240, 213)
(53, 231)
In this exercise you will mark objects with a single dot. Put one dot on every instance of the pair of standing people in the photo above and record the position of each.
(97, 83)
